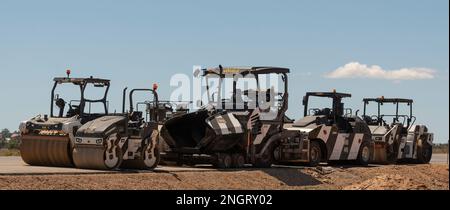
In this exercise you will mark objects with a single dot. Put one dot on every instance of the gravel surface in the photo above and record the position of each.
(432, 176)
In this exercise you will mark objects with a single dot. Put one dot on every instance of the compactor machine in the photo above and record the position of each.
(396, 136)
(126, 141)
(48, 140)
(327, 134)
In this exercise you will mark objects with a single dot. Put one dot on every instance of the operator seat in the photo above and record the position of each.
(325, 111)
(135, 119)
(268, 101)
(369, 120)
(343, 125)
(60, 103)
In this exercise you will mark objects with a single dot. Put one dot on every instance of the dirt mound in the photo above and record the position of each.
(388, 182)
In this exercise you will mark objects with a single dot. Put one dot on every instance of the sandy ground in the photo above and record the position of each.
(395, 177)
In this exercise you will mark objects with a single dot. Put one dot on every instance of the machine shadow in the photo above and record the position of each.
(292, 177)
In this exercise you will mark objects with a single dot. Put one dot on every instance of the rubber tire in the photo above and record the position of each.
(179, 162)
(158, 159)
(424, 158)
(238, 160)
(224, 160)
(315, 146)
(392, 157)
(360, 160)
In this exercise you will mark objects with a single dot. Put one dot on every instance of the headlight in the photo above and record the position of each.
(99, 141)
(78, 140)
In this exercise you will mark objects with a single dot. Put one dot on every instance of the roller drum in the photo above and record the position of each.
(46, 150)
(101, 157)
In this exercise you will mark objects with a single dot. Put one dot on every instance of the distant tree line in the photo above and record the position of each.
(440, 148)
(9, 140)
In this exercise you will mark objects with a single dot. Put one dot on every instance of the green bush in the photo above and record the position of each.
(13, 144)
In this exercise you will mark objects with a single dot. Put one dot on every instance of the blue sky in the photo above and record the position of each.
(136, 43)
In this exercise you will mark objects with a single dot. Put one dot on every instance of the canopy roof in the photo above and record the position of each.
(244, 70)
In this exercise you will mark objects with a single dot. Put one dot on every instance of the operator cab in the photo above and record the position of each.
(81, 104)
(242, 90)
(136, 115)
(337, 115)
(382, 120)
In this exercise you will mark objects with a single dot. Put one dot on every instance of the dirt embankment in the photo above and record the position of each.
(404, 177)
(394, 177)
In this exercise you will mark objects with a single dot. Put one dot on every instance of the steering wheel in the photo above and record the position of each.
(383, 121)
(375, 118)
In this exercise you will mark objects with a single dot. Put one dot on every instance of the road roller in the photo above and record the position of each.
(395, 135)
(48, 140)
(121, 141)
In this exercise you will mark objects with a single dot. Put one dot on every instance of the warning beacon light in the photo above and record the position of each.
(155, 86)
(68, 73)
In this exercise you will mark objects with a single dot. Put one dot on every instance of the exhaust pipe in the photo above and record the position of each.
(123, 99)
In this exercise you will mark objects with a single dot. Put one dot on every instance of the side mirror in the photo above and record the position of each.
(304, 101)
(356, 113)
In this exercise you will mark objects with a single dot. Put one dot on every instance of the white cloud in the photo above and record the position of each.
(357, 70)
